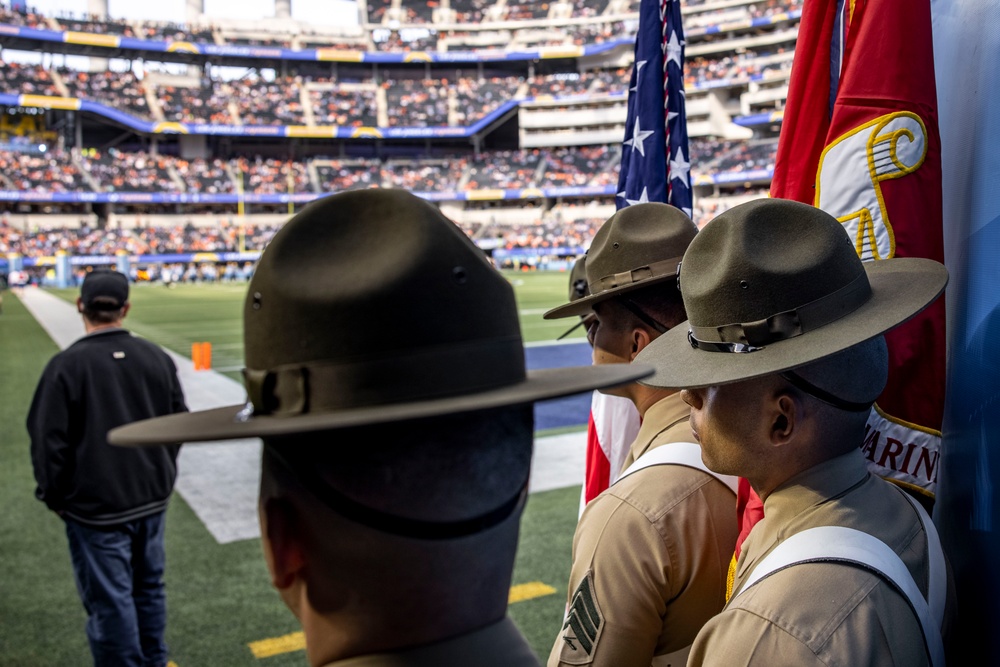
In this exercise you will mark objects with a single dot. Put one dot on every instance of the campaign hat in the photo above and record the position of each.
(370, 307)
(578, 289)
(772, 285)
(639, 246)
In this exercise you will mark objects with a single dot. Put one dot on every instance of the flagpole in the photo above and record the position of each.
(240, 209)
(655, 166)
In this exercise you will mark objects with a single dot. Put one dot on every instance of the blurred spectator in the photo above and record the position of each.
(26, 79)
(338, 176)
(119, 90)
(343, 107)
(417, 103)
(504, 169)
(116, 171)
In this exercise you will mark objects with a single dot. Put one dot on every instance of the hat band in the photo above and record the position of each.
(437, 372)
(667, 267)
(751, 336)
(830, 399)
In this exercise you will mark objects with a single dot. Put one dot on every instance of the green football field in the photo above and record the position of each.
(222, 610)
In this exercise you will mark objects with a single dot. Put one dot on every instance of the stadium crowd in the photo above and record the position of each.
(84, 240)
(564, 231)
(26, 79)
(115, 170)
(408, 102)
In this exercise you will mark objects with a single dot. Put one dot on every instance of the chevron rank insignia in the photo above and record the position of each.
(582, 628)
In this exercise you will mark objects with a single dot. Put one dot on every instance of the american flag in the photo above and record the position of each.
(655, 167)
(655, 162)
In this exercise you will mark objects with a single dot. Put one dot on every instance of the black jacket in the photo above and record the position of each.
(104, 380)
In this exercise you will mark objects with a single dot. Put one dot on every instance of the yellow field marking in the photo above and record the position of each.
(529, 591)
(296, 641)
(265, 648)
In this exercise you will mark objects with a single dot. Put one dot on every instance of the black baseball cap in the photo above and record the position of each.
(104, 290)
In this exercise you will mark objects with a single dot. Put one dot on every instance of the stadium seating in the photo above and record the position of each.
(561, 125)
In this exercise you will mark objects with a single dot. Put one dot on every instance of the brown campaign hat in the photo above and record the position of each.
(369, 307)
(578, 289)
(772, 285)
(638, 246)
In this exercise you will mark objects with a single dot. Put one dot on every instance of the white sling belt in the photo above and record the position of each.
(676, 453)
(840, 544)
(683, 454)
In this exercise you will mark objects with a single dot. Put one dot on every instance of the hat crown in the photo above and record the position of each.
(578, 287)
(763, 258)
(637, 237)
(374, 288)
(103, 289)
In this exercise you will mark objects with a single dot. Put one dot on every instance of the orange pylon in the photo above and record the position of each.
(201, 355)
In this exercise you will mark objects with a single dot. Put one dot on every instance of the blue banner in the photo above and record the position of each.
(967, 510)
(175, 258)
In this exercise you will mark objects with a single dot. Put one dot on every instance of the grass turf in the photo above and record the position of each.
(219, 597)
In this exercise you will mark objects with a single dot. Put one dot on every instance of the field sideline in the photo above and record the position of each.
(222, 610)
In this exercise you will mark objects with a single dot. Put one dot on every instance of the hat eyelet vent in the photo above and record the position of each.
(744, 284)
(459, 275)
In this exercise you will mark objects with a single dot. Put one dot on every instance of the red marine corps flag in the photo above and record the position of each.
(860, 141)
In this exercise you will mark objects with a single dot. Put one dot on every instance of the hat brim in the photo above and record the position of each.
(584, 305)
(901, 288)
(228, 423)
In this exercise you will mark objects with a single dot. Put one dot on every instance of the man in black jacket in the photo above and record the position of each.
(112, 500)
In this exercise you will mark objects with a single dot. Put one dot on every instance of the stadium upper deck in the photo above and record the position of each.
(418, 97)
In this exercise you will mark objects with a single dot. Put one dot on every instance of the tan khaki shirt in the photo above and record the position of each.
(497, 645)
(650, 556)
(823, 613)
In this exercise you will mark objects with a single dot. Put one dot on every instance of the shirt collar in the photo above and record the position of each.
(108, 330)
(815, 485)
(797, 495)
(660, 416)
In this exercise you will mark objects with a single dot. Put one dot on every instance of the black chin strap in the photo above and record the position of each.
(808, 387)
(393, 523)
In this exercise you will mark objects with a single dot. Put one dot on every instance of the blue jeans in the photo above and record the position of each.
(119, 574)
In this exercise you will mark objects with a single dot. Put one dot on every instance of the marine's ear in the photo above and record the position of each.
(787, 411)
(640, 339)
(283, 548)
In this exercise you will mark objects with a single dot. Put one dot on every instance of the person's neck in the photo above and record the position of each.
(646, 397)
(90, 327)
(334, 637)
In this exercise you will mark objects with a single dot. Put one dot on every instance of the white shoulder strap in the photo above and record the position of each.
(841, 544)
(937, 577)
(676, 453)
